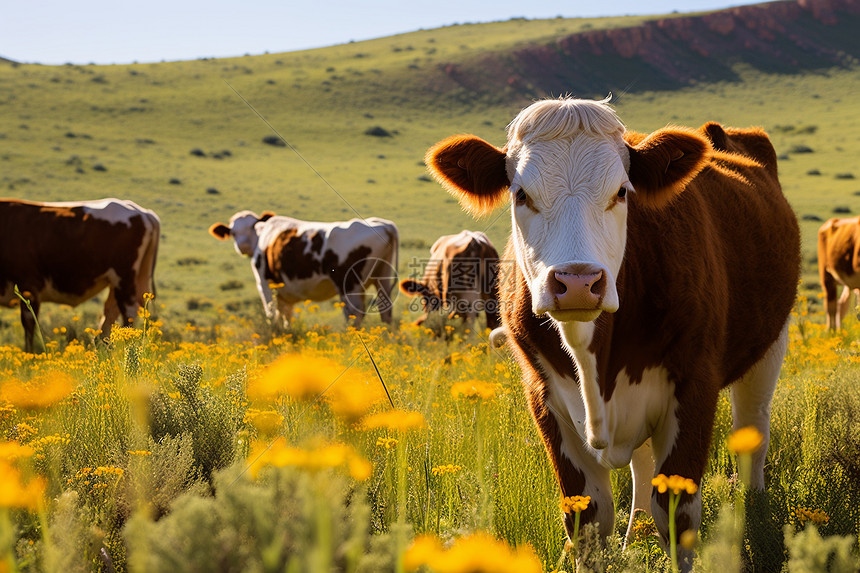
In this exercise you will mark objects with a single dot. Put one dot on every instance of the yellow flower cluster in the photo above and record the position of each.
(745, 440)
(398, 420)
(448, 469)
(50, 440)
(278, 454)
(349, 392)
(125, 334)
(108, 470)
(473, 390)
(266, 421)
(140, 452)
(575, 503)
(13, 451)
(15, 493)
(42, 391)
(475, 553)
(24, 431)
(816, 516)
(386, 443)
(675, 483)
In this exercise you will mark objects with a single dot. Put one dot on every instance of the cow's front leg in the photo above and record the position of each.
(642, 470)
(680, 446)
(353, 309)
(266, 294)
(842, 306)
(29, 320)
(284, 314)
(576, 468)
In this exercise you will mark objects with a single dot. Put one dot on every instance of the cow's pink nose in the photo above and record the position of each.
(578, 291)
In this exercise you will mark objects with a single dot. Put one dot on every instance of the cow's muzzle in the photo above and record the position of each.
(578, 287)
(576, 292)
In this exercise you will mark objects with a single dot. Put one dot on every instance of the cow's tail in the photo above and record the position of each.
(828, 283)
(394, 239)
(150, 255)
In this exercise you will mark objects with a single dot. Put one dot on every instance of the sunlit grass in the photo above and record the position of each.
(131, 427)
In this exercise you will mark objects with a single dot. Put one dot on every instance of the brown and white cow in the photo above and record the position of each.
(459, 279)
(69, 252)
(839, 263)
(316, 261)
(651, 272)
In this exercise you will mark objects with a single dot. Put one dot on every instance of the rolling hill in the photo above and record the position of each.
(187, 138)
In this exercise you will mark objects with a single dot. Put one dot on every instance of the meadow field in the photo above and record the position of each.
(202, 440)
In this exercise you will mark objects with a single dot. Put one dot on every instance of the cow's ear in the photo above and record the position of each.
(220, 231)
(413, 288)
(663, 163)
(471, 170)
(266, 215)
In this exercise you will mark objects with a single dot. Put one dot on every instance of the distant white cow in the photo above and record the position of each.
(306, 260)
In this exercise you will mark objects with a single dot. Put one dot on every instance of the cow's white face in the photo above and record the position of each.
(569, 206)
(569, 167)
(244, 233)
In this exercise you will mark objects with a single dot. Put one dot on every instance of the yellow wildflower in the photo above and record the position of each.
(688, 539)
(399, 420)
(299, 376)
(42, 391)
(386, 443)
(475, 553)
(125, 334)
(108, 470)
(575, 504)
(354, 393)
(24, 431)
(674, 482)
(50, 440)
(448, 469)
(140, 452)
(266, 421)
(279, 454)
(15, 493)
(14, 450)
(816, 516)
(473, 390)
(745, 440)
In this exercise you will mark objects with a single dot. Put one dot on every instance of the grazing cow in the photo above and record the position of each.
(69, 252)
(303, 260)
(651, 272)
(459, 279)
(839, 263)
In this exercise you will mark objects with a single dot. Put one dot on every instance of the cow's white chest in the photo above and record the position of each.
(635, 412)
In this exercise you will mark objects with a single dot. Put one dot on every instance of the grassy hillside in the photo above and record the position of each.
(80, 132)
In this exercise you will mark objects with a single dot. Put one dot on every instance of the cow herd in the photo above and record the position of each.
(648, 272)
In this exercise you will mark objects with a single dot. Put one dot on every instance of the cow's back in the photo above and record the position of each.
(69, 251)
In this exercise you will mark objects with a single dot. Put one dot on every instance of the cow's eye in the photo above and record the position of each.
(622, 193)
(520, 198)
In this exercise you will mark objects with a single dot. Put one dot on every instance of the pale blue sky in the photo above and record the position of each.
(120, 31)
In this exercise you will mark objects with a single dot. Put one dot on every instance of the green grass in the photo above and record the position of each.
(142, 121)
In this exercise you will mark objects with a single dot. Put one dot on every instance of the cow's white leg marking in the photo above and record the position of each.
(842, 306)
(642, 468)
(751, 398)
(258, 265)
(577, 336)
(285, 312)
(565, 404)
